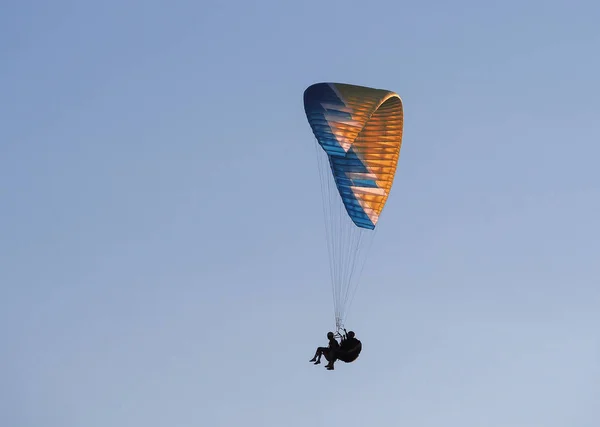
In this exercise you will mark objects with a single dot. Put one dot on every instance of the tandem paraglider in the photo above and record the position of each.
(358, 131)
(347, 351)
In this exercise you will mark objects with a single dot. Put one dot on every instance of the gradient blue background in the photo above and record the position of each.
(162, 252)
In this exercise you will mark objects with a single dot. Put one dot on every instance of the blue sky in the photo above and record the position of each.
(162, 253)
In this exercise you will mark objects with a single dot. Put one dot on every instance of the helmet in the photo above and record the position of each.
(351, 334)
(329, 335)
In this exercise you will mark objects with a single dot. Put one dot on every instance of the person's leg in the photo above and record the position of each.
(331, 357)
(317, 356)
(323, 351)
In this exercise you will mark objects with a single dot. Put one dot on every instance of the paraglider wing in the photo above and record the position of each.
(360, 129)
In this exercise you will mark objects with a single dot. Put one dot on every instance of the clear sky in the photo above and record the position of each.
(162, 252)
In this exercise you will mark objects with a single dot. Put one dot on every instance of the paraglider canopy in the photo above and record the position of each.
(360, 129)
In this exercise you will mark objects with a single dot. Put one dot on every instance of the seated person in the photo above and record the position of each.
(329, 352)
